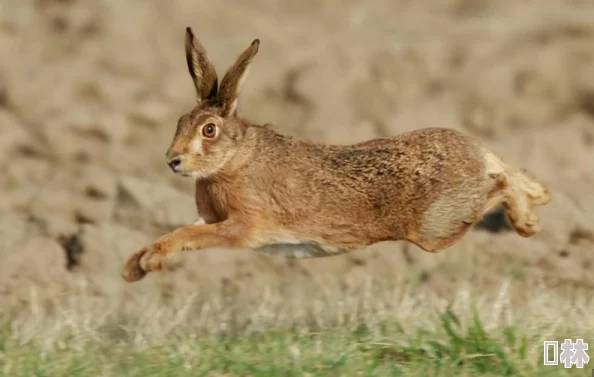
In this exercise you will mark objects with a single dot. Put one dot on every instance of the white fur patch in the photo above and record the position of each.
(293, 248)
(197, 146)
(198, 175)
(494, 165)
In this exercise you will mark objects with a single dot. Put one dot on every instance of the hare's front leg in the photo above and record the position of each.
(153, 257)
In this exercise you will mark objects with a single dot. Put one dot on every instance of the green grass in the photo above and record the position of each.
(386, 349)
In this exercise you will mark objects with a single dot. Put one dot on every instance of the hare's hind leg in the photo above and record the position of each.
(520, 194)
(450, 217)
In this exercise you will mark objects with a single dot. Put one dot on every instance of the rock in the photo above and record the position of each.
(151, 112)
(33, 275)
(55, 198)
(16, 17)
(12, 134)
(14, 197)
(107, 126)
(141, 203)
(88, 210)
(118, 89)
(13, 231)
(105, 249)
(82, 121)
(97, 189)
(3, 91)
(107, 246)
(115, 125)
(96, 182)
(54, 226)
(533, 89)
(78, 199)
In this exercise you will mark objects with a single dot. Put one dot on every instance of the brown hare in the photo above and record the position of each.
(259, 189)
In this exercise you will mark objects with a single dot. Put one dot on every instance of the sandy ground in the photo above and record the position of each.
(90, 93)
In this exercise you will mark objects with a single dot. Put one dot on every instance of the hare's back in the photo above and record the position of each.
(418, 162)
(430, 181)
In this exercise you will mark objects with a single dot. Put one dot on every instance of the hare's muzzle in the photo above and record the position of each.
(174, 161)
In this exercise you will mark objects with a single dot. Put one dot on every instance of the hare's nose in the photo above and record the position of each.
(174, 163)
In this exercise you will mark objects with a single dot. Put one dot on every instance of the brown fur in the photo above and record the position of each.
(257, 188)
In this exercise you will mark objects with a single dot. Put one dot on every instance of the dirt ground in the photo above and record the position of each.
(90, 93)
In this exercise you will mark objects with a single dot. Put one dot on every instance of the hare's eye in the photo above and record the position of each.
(209, 130)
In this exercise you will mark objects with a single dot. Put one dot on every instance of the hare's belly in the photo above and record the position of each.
(300, 250)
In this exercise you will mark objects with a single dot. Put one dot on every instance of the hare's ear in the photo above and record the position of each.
(234, 78)
(201, 68)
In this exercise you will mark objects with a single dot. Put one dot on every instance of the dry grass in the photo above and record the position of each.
(376, 330)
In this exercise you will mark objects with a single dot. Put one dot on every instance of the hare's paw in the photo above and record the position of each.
(153, 259)
(132, 270)
(146, 260)
(529, 227)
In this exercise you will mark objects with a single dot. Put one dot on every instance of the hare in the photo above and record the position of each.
(259, 189)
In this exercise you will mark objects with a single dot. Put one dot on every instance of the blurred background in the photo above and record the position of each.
(90, 93)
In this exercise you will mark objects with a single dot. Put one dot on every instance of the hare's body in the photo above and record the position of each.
(427, 186)
(259, 189)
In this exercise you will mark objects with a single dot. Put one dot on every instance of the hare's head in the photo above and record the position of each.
(207, 137)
